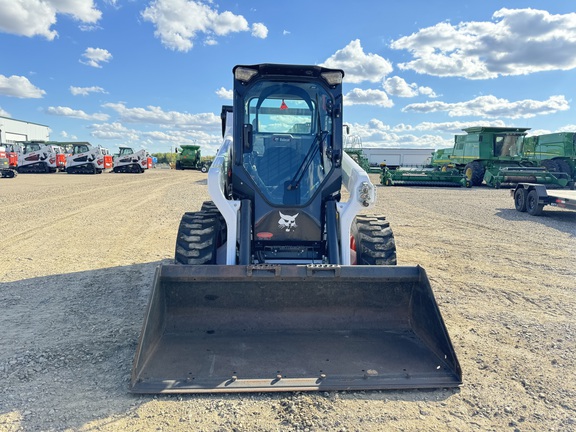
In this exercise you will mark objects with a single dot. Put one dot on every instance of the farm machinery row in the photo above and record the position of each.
(70, 157)
(497, 156)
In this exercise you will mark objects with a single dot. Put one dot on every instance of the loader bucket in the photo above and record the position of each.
(272, 328)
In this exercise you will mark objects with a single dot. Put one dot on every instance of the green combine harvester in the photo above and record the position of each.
(190, 158)
(496, 156)
(556, 152)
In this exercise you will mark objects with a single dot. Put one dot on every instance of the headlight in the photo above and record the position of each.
(333, 78)
(244, 74)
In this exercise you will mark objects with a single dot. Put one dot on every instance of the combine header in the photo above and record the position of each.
(423, 177)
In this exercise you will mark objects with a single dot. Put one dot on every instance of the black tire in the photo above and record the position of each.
(208, 206)
(178, 165)
(374, 240)
(550, 165)
(204, 169)
(520, 196)
(199, 236)
(532, 205)
(474, 172)
(565, 167)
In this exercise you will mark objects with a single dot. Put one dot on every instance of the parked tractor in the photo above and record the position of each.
(189, 157)
(278, 284)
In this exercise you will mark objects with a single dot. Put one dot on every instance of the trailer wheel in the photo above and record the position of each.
(373, 241)
(532, 205)
(520, 199)
(474, 172)
(198, 239)
(204, 169)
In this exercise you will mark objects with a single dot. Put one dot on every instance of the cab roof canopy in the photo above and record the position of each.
(480, 129)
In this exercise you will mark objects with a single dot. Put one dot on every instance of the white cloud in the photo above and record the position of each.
(376, 133)
(160, 140)
(36, 17)
(567, 128)
(4, 113)
(259, 30)
(493, 107)
(397, 86)
(94, 56)
(516, 42)
(367, 97)
(155, 115)
(357, 65)
(427, 91)
(79, 114)
(177, 23)
(285, 33)
(85, 91)
(114, 131)
(224, 94)
(20, 87)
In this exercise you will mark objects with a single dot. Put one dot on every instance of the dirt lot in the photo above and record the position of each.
(77, 260)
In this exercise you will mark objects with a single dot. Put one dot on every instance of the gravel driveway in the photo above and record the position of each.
(76, 266)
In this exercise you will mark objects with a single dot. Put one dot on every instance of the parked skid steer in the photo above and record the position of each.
(130, 161)
(277, 284)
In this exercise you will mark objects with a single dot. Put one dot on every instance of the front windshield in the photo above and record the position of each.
(289, 153)
(508, 145)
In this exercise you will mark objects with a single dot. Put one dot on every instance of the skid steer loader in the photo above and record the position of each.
(277, 284)
(130, 161)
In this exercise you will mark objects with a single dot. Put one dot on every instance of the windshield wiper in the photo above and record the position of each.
(310, 155)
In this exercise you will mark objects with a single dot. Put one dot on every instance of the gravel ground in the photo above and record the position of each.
(78, 256)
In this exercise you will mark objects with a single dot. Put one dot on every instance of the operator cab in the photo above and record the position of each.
(286, 158)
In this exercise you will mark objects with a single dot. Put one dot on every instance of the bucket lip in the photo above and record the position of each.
(178, 272)
(357, 383)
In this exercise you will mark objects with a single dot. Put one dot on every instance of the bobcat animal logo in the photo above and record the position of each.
(287, 222)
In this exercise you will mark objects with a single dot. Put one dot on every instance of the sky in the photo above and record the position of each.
(154, 74)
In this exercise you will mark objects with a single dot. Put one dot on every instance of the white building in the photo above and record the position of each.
(13, 131)
(395, 157)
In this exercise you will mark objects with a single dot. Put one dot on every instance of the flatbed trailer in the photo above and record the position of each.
(531, 198)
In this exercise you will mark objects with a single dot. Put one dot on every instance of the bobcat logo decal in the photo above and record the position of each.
(287, 222)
